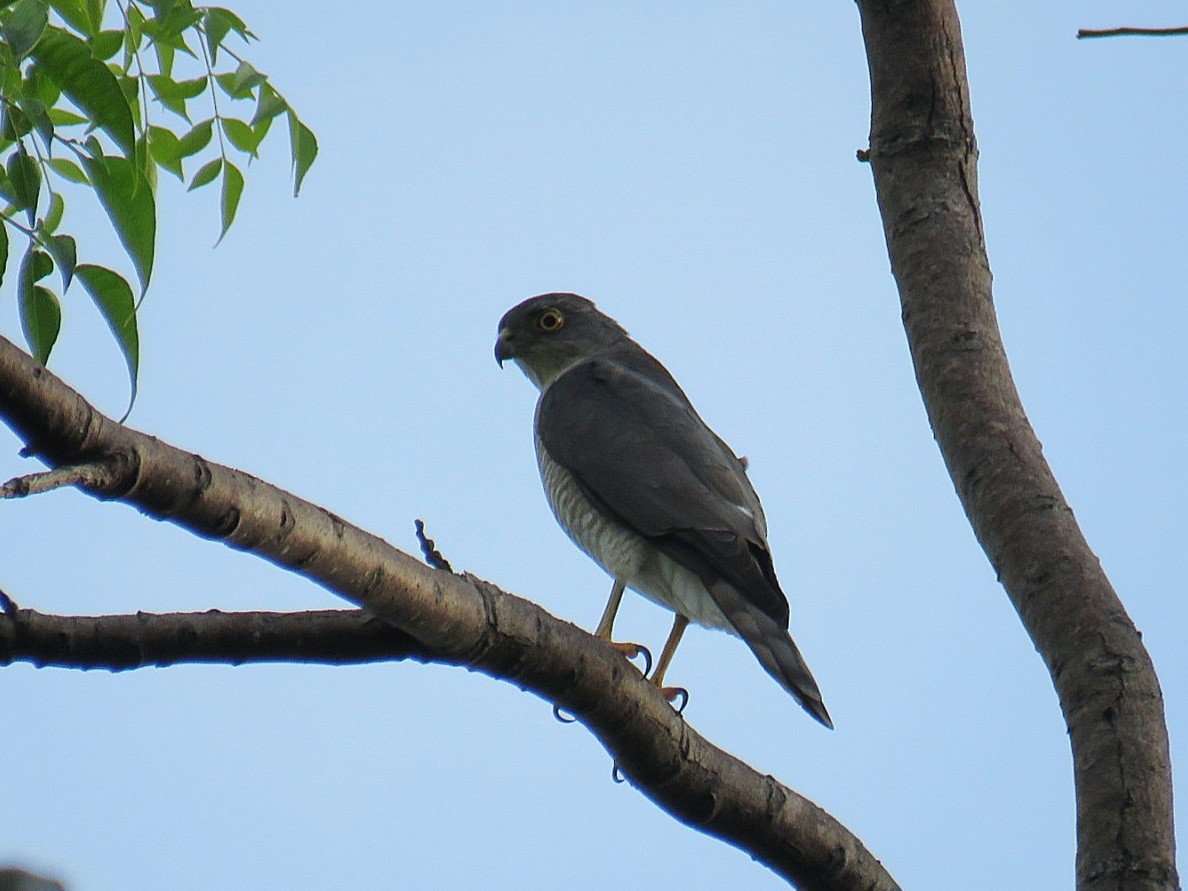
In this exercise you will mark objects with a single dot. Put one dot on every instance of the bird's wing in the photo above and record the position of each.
(639, 451)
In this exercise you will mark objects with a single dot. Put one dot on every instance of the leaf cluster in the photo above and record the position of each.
(98, 95)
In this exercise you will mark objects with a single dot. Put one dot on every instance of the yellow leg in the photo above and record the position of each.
(670, 645)
(612, 608)
(607, 623)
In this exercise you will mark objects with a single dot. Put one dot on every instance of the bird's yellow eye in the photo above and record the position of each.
(550, 320)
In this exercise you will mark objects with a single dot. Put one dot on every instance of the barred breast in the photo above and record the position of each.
(616, 549)
(623, 553)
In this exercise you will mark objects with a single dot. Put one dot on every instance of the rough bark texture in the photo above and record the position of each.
(923, 154)
(456, 619)
(120, 643)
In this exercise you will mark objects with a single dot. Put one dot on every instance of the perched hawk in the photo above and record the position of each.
(646, 488)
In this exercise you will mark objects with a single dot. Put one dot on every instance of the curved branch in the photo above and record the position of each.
(924, 158)
(457, 619)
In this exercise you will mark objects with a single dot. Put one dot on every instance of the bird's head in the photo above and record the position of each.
(548, 334)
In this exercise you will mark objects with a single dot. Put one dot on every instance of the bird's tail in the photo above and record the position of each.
(775, 649)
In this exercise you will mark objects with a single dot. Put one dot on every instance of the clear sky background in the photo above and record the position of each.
(691, 168)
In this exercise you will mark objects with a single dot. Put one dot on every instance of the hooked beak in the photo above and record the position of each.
(503, 346)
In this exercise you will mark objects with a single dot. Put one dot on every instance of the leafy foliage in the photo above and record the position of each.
(100, 94)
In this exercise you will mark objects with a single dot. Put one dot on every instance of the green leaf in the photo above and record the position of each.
(63, 118)
(165, 91)
(226, 82)
(162, 8)
(130, 87)
(261, 130)
(25, 24)
(192, 88)
(41, 319)
(196, 140)
(53, 216)
(41, 313)
(144, 163)
(65, 253)
(241, 136)
(16, 123)
(94, 10)
(39, 85)
(246, 79)
(234, 22)
(269, 105)
(67, 169)
(106, 44)
(134, 29)
(88, 83)
(216, 25)
(164, 52)
(166, 150)
(113, 295)
(24, 176)
(128, 199)
(169, 26)
(35, 266)
(232, 190)
(76, 15)
(174, 94)
(206, 173)
(35, 111)
(304, 148)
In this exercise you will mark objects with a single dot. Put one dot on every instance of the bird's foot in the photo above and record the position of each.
(672, 694)
(632, 651)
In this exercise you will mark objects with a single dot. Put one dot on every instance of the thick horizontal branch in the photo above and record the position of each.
(118, 643)
(457, 619)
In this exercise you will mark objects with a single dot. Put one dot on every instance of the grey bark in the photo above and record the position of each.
(924, 159)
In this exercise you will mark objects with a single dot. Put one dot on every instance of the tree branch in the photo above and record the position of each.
(1131, 32)
(924, 159)
(457, 619)
(119, 643)
(94, 476)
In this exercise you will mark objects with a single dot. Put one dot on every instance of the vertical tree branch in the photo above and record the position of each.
(924, 159)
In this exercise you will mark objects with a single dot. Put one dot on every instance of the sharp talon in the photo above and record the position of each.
(631, 651)
(561, 716)
(641, 650)
(617, 775)
(672, 694)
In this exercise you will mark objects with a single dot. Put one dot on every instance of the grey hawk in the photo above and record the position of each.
(641, 484)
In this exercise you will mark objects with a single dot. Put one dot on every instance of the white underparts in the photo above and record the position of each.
(624, 553)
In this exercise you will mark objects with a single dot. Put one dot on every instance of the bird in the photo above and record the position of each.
(642, 484)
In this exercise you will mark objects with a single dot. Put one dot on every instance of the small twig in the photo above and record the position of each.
(432, 555)
(91, 476)
(1131, 32)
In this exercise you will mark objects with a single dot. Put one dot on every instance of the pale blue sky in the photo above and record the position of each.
(691, 168)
